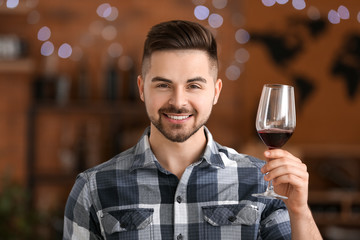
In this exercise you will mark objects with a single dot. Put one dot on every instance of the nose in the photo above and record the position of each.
(178, 98)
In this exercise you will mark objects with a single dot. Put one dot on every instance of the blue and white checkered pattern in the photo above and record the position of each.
(132, 197)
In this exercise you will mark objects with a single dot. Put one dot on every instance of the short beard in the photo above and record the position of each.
(179, 137)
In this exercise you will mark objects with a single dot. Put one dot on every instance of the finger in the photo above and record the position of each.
(280, 153)
(296, 170)
(282, 162)
(294, 180)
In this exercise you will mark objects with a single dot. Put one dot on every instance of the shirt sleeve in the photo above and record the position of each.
(80, 219)
(275, 223)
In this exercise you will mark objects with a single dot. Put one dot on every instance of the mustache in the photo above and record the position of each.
(172, 109)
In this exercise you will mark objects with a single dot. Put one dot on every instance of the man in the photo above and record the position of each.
(177, 182)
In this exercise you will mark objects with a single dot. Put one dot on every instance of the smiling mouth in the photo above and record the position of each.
(178, 117)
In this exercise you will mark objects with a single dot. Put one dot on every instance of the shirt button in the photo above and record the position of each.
(180, 237)
(179, 200)
(123, 225)
(232, 218)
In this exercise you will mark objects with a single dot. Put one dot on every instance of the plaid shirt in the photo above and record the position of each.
(133, 197)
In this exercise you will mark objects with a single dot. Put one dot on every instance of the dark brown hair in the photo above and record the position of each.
(179, 35)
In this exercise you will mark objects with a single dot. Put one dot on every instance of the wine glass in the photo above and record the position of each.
(275, 122)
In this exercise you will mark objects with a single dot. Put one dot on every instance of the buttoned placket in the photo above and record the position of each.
(180, 206)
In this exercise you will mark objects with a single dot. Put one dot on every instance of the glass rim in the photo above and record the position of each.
(277, 85)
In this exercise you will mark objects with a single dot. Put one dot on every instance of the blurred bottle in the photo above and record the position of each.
(12, 47)
(112, 82)
(82, 84)
(133, 88)
(45, 84)
(62, 90)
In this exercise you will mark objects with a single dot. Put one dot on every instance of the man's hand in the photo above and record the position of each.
(290, 178)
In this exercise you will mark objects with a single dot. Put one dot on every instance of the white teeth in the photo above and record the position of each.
(178, 117)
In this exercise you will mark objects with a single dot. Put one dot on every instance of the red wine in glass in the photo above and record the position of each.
(275, 138)
(275, 122)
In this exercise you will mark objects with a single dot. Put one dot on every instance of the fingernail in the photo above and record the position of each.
(267, 153)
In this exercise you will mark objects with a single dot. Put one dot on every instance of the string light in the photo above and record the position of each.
(242, 55)
(44, 34)
(47, 48)
(219, 4)
(313, 13)
(343, 12)
(233, 72)
(282, 1)
(201, 12)
(65, 50)
(333, 17)
(215, 20)
(12, 3)
(103, 10)
(242, 36)
(299, 4)
(268, 3)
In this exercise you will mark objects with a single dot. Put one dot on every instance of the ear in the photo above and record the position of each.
(218, 87)
(140, 83)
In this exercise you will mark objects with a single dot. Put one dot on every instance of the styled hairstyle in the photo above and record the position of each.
(179, 35)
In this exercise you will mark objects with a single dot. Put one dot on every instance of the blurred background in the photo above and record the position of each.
(68, 96)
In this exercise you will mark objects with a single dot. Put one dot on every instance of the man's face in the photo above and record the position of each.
(179, 90)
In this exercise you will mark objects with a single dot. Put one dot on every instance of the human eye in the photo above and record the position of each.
(162, 85)
(194, 86)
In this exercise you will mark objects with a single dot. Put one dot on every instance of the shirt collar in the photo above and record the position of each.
(145, 158)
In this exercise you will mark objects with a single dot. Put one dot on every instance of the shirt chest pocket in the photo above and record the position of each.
(128, 223)
(233, 221)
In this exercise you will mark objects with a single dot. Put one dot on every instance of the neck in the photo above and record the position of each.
(174, 156)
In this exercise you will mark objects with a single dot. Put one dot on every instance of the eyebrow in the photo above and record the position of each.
(161, 79)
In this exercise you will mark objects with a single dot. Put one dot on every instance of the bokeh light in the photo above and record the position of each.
(299, 4)
(114, 13)
(334, 17)
(219, 4)
(268, 3)
(313, 13)
(282, 1)
(44, 33)
(12, 3)
(47, 48)
(233, 72)
(242, 36)
(215, 20)
(115, 50)
(358, 17)
(201, 12)
(109, 33)
(242, 55)
(103, 10)
(343, 12)
(65, 50)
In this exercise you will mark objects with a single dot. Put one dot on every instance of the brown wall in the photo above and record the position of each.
(327, 121)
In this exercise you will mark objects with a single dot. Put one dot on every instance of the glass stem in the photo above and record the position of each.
(270, 186)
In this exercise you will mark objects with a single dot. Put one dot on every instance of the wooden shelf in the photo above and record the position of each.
(336, 207)
(16, 66)
(131, 109)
